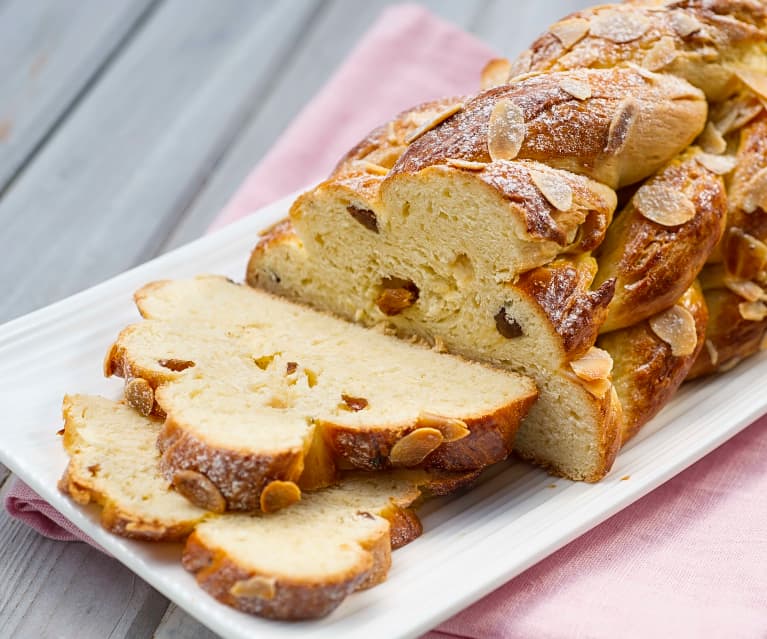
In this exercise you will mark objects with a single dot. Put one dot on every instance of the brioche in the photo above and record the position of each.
(257, 392)
(295, 564)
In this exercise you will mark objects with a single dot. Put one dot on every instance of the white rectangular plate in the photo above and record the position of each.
(472, 543)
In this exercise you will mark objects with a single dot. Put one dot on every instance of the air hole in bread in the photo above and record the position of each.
(366, 217)
(396, 294)
(176, 365)
(507, 326)
(462, 269)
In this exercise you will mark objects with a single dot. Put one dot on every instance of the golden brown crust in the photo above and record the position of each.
(666, 115)
(729, 337)
(217, 574)
(653, 264)
(562, 290)
(690, 39)
(646, 374)
(489, 441)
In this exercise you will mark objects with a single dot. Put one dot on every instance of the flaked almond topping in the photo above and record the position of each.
(413, 448)
(597, 387)
(749, 291)
(506, 130)
(576, 88)
(664, 205)
(713, 354)
(595, 364)
(745, 255)
(371, 167)
(495, 73)
(753, 311)
(278, 494)
(140, 395)
(396, 295)
(676, 327)
(619, 26)
(200, 490)
(468, 165)
(521, 65)
(354, 404)
(625, 116)
(754, 80)
(684, 24)
(452, 429)
(719, 164)
(176, 365)
(257, 587)
(756, 192)
(645, 73)
(661, 55)
(366, 217)
(438, 119)
(391, 134)
(554, 188)
(736, 113)
(570, 32)
(507, 326)
(711, 140)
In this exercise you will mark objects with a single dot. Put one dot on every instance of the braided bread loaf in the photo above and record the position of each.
(485, 224)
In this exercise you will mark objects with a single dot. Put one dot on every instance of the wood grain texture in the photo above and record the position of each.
(57, 589)
(325, 45)
(46, 64)
(177, 624)
(104, 192)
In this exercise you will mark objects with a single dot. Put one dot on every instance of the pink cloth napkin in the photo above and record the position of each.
(688, 560)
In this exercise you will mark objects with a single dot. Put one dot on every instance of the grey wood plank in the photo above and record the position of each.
(103, 192)
(45, 64)
(177, 624)
(56, 589)
(330, 39)
(4, 474)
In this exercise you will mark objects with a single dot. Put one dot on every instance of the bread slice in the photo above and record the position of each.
(114, 463)
(298, 563)
(260, 394)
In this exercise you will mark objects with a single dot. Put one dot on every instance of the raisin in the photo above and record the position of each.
(366, 217)
(507, 325)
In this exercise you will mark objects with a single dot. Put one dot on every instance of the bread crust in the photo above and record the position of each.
(653, 264)
(646, 373)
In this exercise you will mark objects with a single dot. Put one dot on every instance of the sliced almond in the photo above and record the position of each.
(624, 118)
(748, 290)
(713, 354)
(468, 165)
(200, 490)
(756, 192)
(438, 119)
(664, 205)
(595, 364)
(662, 54)
(684, 24)
(597, 387)
(452, 429)
(711, 140)
(745, 255)
(676, 327)
(521, 65)
(140, 395)
(506, 130)
(753, 311)
(257, 587)
(619, 26)
(370, 167)
(392, 137)
(495, 73)
(278, 494)
(719, 164)
(413, 448)
(754, 80)
(554, 188)
(576, 88)
(570, 32)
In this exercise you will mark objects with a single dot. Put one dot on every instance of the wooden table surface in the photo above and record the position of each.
(125, 125)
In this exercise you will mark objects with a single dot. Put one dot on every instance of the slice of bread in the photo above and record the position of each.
(114, 463)
(295, 564)
(258, 392)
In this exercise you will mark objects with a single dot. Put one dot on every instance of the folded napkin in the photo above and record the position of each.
(688, 560)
